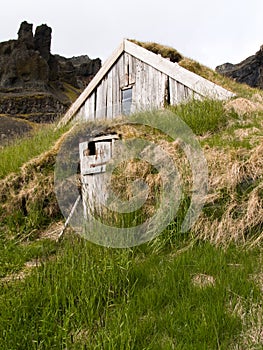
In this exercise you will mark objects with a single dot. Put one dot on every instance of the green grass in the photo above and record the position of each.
(91, 297)
(151, 297)
(13, 156)
(202, 116)
(14, 254)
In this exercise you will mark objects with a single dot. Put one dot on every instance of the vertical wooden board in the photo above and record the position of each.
(181, 92)
(105, 96)
(117, 88)
(132, 69)
(145, 79)
(141, 87)
(158, 88)
(150, 87)
(90, 108)
(109, 101)
(188, 93)
(99, 101)
(87, 111)
(126, 68)
(163, 81)
(100, 107)
(121, 71)
(118, 91)
(137, 91)
(145, 75)
(132, 81)
(134, 104)
(120, 74)
(94, 193)
(155, 89)
(154, 82)
(173, 91)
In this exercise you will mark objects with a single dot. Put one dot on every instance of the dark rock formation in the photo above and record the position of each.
(38, 107)
(42, 41)
(28, 62)
(25, 35)
(249, 71)
(27, 67)
(78, 71)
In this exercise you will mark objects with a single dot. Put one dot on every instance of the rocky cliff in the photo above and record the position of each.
(36, 85)
(249, 71)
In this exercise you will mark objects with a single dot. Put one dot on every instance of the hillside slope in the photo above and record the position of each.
(193, 290)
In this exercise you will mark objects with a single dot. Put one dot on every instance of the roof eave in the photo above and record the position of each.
(92, 85)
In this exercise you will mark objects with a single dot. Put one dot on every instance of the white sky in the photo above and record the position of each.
(211, 32)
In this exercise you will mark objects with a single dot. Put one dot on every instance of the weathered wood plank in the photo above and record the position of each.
(173, 92)
(133, 64)
(180, 92)
(115, 91)
(193, 81)
(126, 69)
(90, 108)
(92, 85)
(109, 102)
(132, 70)
(101, 100)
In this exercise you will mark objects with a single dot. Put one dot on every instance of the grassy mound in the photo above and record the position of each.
(194, 290)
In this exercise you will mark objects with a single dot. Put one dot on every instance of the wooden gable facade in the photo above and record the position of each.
(135, 79)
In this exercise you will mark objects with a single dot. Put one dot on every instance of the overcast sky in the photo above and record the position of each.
(211, 32)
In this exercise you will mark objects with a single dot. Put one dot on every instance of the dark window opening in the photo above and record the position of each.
(126, 100)
(91, 150)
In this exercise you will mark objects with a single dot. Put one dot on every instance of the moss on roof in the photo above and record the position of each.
(242, 90)
(164, 51)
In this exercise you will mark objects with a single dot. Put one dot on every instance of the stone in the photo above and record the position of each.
(33, 81)
(249, 71)
(42, 40)
(25, 35)
(27, 63)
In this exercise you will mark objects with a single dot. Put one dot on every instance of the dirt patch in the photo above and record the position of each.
(251, 317)
(52, 232)
(243, 106)
(203, 280)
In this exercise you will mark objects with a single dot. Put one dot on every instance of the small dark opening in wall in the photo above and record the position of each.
(91, 151)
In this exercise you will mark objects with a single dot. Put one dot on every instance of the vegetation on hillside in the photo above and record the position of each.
(201, 289)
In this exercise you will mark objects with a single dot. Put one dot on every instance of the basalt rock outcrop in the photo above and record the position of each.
(249, 71)
(35, 84)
